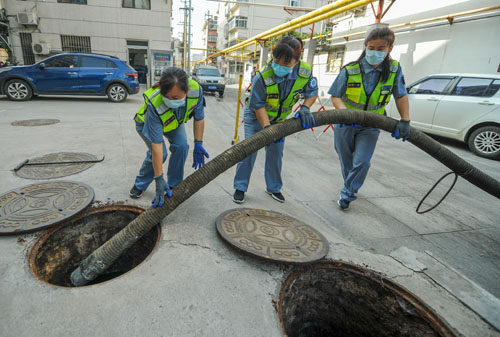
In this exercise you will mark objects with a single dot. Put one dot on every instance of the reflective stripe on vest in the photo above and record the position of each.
(278, 113)
(355, 96)
(168, 118)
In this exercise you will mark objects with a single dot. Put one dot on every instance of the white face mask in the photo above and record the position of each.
(174, 103)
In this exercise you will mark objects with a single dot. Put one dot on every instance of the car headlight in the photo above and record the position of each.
(202, 81)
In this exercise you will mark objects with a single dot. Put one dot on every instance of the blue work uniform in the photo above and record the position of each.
(355, 145)
(274, 151)
(152, 132)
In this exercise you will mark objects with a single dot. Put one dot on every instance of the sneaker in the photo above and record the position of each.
(276, 196)
(239, 196)
(343, 204)
(135, 193)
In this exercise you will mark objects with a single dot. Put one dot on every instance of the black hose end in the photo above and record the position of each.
(77, 278)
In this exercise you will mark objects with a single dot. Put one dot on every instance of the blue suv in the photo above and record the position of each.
(70, 74)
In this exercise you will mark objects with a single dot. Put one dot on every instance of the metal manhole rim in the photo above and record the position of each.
(323, 252)
(19, 191)
(437, 322)
(87, 212)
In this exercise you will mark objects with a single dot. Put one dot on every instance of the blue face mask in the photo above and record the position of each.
(281, 71)
(174, 104)
(374, 57)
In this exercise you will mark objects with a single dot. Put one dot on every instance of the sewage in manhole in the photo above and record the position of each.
(35, 122)
(339, 299)
(59, 251)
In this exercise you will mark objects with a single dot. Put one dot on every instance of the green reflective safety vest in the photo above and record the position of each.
(166, 114)
(355, 96)
(279, 112)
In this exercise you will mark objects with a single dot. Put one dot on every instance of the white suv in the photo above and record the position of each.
(458, 106)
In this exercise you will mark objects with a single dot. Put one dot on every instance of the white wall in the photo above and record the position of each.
(464, 46)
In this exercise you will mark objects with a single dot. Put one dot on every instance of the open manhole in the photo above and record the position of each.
(35, 122)
(339, 299)
(56, 165)
(59, 251)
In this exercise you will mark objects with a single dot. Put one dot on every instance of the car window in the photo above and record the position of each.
(430, 86)
(207, 72)
(64, 61)
(469, 86)
(492, 89)
(95, 62)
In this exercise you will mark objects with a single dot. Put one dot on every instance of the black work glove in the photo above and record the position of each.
(402, 130)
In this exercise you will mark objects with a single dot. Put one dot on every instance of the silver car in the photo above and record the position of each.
(459, 106)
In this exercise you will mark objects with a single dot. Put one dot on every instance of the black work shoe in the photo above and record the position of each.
(239, 196)
(135, 193)
(343, 204)
(277, 196)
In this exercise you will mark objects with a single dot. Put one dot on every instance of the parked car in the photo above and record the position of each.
(70, 74)
(210, 79)
(459, 106)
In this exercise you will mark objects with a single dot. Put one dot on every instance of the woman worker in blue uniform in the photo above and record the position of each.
(275, 89)
(367, 84)
(168, 106)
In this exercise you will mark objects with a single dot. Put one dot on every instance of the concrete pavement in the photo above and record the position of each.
(194, 284)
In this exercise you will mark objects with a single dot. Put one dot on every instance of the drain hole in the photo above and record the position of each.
(59, 251)
(334, 299)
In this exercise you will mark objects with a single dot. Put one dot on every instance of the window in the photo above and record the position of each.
(77, 44)
(96, 62)
(64, 61)
(295, 3)
(430, 86)
(237, 22)
(139, 4)
(212, 38)
(472, 87)
(28, 56)
(79, 2)
(335, 60)
(492, 90)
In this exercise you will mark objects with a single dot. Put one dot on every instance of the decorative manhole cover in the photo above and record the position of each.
(271, 235)
(37, 206)
(35, 122)
(51, 170)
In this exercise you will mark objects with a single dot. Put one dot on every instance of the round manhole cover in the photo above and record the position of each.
(35, 122)
(38, 206)
(271, 235)
(52, 169)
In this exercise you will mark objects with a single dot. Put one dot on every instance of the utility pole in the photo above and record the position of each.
(188, 47)
(184, 37)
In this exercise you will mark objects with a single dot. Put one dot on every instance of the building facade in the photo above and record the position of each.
(210, 35)
(238, 22)
(138, 31)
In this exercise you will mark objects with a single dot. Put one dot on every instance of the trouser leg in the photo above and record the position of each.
(274, 159)
(364, 147)
(245, 167)
(179, 149)
(146, 173)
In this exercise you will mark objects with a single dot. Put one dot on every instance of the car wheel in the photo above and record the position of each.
(117, 93)
(485, 142)
(18, 90)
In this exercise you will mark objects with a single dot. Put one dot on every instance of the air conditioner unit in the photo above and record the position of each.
(27, 18)
(41, 48)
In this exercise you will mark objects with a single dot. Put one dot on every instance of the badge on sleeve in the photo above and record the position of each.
(313, 83)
